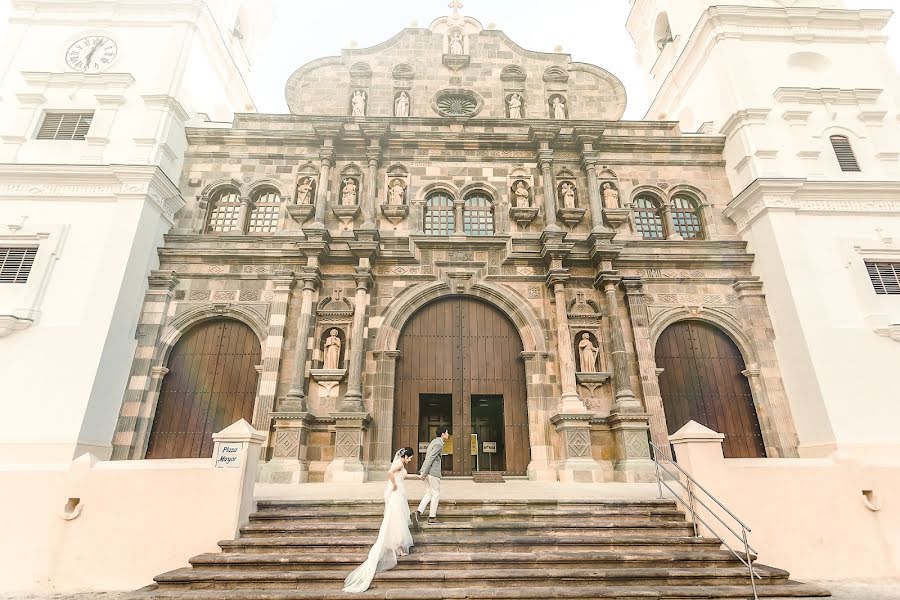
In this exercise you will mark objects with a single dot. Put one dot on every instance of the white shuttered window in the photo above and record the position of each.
(65, 126)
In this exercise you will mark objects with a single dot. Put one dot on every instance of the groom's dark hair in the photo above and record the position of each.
(442, 429)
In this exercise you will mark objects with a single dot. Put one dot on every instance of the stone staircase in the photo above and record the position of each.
(527, 549)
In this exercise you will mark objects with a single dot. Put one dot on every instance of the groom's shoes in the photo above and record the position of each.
(415, 519)
(433, 521)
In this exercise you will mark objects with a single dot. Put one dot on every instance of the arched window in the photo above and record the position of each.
(844, 153)
(478, 215)
(224, 211)
(685, 218)
(439, 214)
(647, 218)
(264, 216)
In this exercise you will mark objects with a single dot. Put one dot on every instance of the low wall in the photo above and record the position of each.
(809, 516)
(133, 519)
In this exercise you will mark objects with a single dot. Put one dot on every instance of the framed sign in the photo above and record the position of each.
(423, 447)
(448, 446)
(489, 447)
(474, 444)
(229, 456)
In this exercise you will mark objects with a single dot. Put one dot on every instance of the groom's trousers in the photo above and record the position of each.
(432, 494)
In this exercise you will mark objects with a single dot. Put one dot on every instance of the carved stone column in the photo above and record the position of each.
(541, 408)
(589, 161)
(295, 400)
(353, 398)
(671, 233)
(328, 132)
(458, 210)
(569, 402)
(383, 410)
(544, 135)
(374, 133)
(625, 400)
(243, 217)
(271, 354)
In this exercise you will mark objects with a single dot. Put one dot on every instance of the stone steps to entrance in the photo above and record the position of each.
(456, 512)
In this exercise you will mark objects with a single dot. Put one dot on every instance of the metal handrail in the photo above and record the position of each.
(749, 551)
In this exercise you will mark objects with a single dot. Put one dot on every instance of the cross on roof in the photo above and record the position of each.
(455, 5)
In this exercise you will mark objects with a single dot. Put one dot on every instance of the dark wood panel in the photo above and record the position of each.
(211, 383)
(702, 381)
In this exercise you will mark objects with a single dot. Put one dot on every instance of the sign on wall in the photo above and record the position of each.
(229, 456)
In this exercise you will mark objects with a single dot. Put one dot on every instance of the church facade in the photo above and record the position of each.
(449, 229)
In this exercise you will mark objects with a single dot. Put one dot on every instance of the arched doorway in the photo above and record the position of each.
(460, 365)
(702, 381)
(211, 383)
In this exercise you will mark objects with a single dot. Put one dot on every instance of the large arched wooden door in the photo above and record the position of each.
(460, 360)
(211, 383)
(702, 381)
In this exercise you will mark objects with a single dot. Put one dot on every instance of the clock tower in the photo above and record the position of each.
(95, 98)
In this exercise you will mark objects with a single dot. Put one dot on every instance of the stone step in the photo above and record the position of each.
(472, 578)
(639, 520)
(346, 507)
(457, 512)
(463, 560)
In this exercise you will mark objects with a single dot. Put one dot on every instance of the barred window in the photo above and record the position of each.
(65, 126)
(685, 218)
(224, 212)
(439, 214)
(16, 263)
(266, 208)
(647, 218)
(844, 153)
(478, 215)
(885, 277)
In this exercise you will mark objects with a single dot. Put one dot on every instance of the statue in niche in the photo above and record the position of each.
(610, 195)
(358, 102)
(567, 191)
(588, 352)
(348, 192)
(305, 190)
(401, 105)
(395, 193)
(456, 43)
(515, 106)
(559, 108)
(521, 192)
(332, 350)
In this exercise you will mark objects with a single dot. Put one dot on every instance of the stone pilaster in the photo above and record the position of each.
(624, 400)
(589, 161)
(383, 409)
(544, 136)
(353, 399)
(569, 402)
(541, 407)
(328, 132)
(349, 436)
(271, 354)
(374, 133)
(290, 443)
(295, 400)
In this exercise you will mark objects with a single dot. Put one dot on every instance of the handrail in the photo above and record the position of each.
(749, 551)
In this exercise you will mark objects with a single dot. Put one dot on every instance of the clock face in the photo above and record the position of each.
(91, 54)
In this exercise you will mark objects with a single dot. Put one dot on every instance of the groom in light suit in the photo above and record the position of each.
(431, 473)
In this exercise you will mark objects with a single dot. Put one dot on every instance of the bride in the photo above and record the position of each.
(394, 538)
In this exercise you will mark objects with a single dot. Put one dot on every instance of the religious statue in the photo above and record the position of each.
(567, 191)
(587, 351)
(559, 108)
(304, 191)
(456, 43)
(515, 106)
(332, 350)
(521, 192)
(395, 193)
(401, 105)
(348, 192)
(358, 102)
(610, 196)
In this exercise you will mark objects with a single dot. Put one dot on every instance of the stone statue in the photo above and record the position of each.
(515, 106)
(304, 191)
(332, 350)
(401, 105)
(348, 192)
(610, 196)
(395, 193)
(521, 192)
(456, 43)
(567, 191)
(587, 351)
(559, 108)
(359, 104)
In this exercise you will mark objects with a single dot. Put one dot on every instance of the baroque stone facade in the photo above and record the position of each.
(340, 220)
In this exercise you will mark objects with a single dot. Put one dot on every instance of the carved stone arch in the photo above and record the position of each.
(216, 186)
(351, 170)
(520, 173)
(479, 186)
(307, 169)
(513, 73)
(565, 173)
(608, 175)
(728, 324)
(556, 74)
(361, 70)
(403, 71)
(397, 170)
(438, 186)
(688, 190)
(251, 189)
(655, 192)
(181, 323)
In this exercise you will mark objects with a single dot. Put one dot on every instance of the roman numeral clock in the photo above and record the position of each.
(91, 54)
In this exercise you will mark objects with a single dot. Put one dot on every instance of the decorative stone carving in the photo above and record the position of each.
(401, 105)
(328, 380)
(610, 195)
(558, 108)
(332, 350)
(306, 190)
(396, 208)
(514, 108)
(591, 381)
(457, 103)
(455, 44)
(349, 191)
(588, 354)
(358, 104)
(522, 194)
(396, 192)
(567, 193)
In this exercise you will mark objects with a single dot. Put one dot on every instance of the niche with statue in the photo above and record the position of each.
(303, 206)
(568, 208)
(395, 205)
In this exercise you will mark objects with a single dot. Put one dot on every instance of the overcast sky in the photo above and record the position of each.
(591, 31)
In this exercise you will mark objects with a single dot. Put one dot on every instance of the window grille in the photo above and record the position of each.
(478, 216)
(16, 263)
(439, 215)
(885, 277)
(264, 216)
(647, 219)
(684, 216)
(225, 212)
(844, 153)
(64, 126)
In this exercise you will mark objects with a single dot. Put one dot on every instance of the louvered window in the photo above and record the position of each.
(478, 216)
(844, 153)
(64, 126)
(264, 216)
(647, 219)
(885, 277)
(439, 218)
(16, 263)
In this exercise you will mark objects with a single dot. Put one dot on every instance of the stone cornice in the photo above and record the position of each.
(803, 95)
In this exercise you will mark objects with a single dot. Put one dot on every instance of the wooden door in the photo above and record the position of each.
(702, 381)
(462, 347)
(211, 383)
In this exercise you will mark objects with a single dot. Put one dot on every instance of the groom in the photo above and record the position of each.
(431, 473)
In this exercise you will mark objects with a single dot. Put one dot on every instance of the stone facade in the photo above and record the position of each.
(559, 265)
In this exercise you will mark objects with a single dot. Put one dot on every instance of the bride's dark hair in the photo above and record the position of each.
(405, 452)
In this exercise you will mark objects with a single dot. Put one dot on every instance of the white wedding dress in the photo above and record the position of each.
(394, 538)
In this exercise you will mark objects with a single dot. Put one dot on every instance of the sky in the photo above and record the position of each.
(592, 31)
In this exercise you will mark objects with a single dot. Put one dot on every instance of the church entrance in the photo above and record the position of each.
(460, 365)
